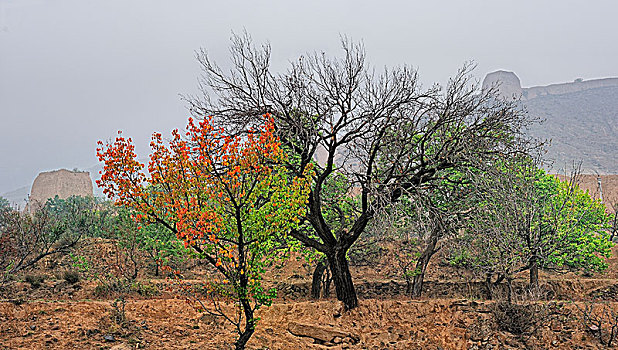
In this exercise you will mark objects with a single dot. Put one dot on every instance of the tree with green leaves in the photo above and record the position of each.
(527, 219)
(136, 241)
(53, 229)
(5, 210)
(230, 199)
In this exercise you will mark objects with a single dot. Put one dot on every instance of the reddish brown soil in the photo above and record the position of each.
(451, 315)
(375, 324)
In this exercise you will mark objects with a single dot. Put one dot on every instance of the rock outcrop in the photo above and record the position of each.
(327, 336)
(62, 183)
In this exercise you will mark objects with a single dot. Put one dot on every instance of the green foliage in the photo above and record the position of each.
(76, 215)
(122, 286)
(80, 262)
(340, 208)
(4, 205)
(53, 229)
(157, 243)
(525, 216)
(577, 225)
(460, 258)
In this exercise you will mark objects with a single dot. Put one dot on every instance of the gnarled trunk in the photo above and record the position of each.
(421, 265)
(245, 335)
(509, 290)
(342, 278)
(488, 286)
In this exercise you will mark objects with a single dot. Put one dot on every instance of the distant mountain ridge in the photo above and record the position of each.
(580, 119)
(18, 197)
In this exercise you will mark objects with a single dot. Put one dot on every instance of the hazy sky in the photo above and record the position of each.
(74, 72)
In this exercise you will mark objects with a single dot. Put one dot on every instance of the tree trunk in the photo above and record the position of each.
(245, 335)
(534, 272)
(327, 280)
(342, 278)
(421, 265)
(488, 286)
(509, 292)
(316, 283)
(614, 228)
(408, 284)
(135, 267)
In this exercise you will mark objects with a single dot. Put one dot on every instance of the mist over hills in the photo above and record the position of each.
(17, 197)
(582, 126)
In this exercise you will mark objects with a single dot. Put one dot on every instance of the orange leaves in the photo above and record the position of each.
(225, 196)
(122, 176)
(229, 198)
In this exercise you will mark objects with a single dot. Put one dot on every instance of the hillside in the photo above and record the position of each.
(580, 118)
(582, 126)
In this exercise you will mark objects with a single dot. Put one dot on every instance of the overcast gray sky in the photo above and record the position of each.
(74, 72)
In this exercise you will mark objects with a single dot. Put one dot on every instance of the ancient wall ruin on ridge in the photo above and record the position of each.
(62, 183)
(507, 83)
(509, 86)
(578, 120)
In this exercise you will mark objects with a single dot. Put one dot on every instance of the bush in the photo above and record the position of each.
(118, 314)
(601, 320)
(113, 287)
(527, 317)
(514, 318)
(119, 287)
(145, 290)
(34, 280)
(71, 276)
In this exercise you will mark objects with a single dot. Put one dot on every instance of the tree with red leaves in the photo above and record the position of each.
(228, 198)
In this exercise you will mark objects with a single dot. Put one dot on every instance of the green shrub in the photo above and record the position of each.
(145, 290)
(108, 288)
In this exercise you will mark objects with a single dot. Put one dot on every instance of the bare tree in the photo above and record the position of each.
(379, 129)
(442, 209)
(601, 320)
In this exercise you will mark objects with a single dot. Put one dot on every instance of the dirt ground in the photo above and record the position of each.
(375, 324)
(451, 315)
